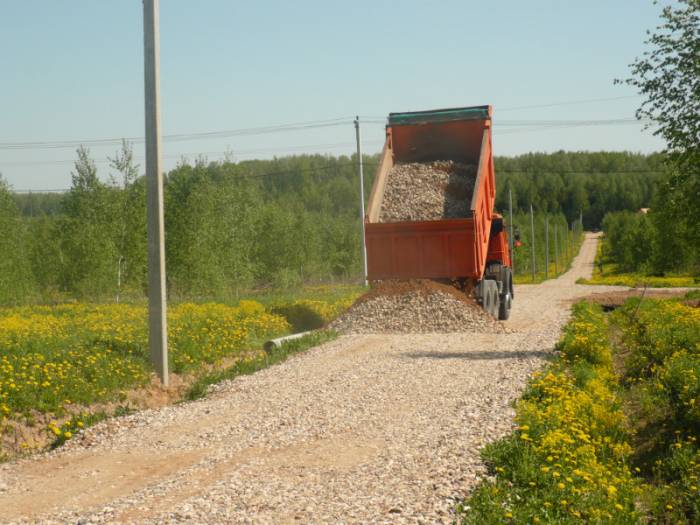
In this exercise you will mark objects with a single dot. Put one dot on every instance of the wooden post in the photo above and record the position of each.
(157, 327)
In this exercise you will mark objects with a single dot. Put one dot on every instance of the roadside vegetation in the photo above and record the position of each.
(608, 272)
(262, 224)
(608, 431)
(565, 241)
(60, 365)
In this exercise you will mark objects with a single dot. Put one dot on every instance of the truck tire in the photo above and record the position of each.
(496, 300)
(505, 306)
(486, 296)
(507, 294)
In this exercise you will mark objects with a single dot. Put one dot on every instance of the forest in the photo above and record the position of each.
(276, 223)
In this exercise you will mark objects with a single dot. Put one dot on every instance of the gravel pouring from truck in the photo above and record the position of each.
(471, 250)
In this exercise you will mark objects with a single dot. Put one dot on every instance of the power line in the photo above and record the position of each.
(180, 137)
(233, 152)
(569, 103)
(563, 125)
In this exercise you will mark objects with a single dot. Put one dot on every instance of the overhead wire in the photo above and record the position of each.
(180, 137)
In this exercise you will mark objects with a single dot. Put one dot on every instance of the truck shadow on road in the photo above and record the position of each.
(480, 355)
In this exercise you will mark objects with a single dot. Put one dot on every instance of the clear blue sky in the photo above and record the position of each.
(73, 70)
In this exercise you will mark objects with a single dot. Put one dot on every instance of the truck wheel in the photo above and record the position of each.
(505, 306)
(496, 300)
(510, 284)
(487, 296)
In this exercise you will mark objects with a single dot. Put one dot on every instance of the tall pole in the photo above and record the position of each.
(546, 246)
(362, 197)
(510, 237)
(556, 249)
(157, 327)
(532, 243)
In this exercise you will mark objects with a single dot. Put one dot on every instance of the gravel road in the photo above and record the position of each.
(365, 429)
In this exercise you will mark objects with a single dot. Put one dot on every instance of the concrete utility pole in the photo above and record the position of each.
(546, 246)
(556, 249)
(532, 243)
(157, 325)
(362, 197)
(510, 237)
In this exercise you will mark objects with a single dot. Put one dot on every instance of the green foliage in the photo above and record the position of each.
(55, 360)
(605, 271)
(232, 227)
(608, 434)
(585, 338)
(630, 238)
(650, 243)
(568, 460)
(667, 75)
(659, 343)
(573, 182)
(16, 281)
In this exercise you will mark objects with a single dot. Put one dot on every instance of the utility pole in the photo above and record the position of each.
(532, 243)
(157, 327)
(546, 246)
(580, 218)
(556, 249)
(510, 237)
(362, 197)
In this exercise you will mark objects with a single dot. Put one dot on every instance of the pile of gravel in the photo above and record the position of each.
(418, 306)
(428, 191)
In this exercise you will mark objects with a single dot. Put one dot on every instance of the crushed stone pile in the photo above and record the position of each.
(428, 191)
(415, 306)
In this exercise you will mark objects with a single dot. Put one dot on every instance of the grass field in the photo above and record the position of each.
(608, 433)
(60, 364)
(606, 272)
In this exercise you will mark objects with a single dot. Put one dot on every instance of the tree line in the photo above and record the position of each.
(235, 225)
(668, 238)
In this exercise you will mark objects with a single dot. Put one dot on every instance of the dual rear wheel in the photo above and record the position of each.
(496, 292)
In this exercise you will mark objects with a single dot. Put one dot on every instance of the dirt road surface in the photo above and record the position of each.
(365, 429)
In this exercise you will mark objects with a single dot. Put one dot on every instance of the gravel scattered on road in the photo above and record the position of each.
(428, 191)
(417, 306)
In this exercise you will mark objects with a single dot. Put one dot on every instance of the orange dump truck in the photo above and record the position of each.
(471, 252)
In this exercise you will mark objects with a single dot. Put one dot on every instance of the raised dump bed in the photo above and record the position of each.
(454, 248)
